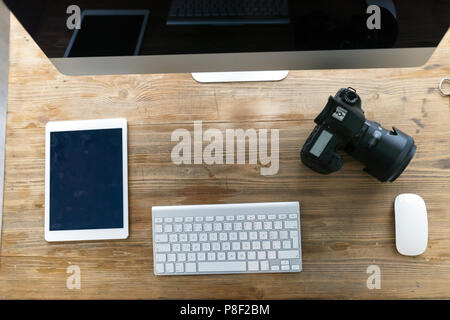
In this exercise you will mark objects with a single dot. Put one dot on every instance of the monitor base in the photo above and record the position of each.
(239, 76)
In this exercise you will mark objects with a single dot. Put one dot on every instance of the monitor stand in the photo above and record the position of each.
(239, 76)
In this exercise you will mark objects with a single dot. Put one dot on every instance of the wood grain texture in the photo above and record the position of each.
(347, 217)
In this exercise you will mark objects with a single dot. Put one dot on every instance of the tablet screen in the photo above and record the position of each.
(86, 179)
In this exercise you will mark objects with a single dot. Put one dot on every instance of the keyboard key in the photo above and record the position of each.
(179, 267)
(231, 255)
(158, 220)
(229, 218)
(268, 225)
(241, 255)
(198, 219)
(276, 245)
(201, 256)
(158, 228)
(162, 247)
(237, 226)
(178, 227)
(251, 255)
(221, 256)
(289, 254)
(169, 267)
(223, 236)
(171, 257)
(222, 266)
(271, 217)
(277, 225)
(236, 246)
(273, 235)
(211, 256)
(191, 267)
(286, 244)
(161, 238)
(183, 237)
(189, 219)
(227, 226)
(198, 227)
(220, 218)
(191, 256)
(213, 236)
(295, 267)
(248, 226)
(240, 218)
(253, 265)
(173, 238)
(251, 217)
(283, 234)
(284, 267)
(271, 255)
(242, 236)
(187, 227)
(160, 258)
(275, 268)
(264, 265)
(216, 246)
(193, 237)
(261, 217)
(282, 216)
(209, 218)
(233, 236)
(292, 216)
(203, 237)
(181, 257)
(246, 245)
(261, 255)
(178, 219)
(292, 224)
(159, 268)
(168, 220)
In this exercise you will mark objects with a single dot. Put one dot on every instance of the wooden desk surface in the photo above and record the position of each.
(347, 217)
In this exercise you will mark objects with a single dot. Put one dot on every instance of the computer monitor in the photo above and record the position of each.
(216, 38)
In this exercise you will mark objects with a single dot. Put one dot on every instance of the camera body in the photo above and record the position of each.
(342, 126)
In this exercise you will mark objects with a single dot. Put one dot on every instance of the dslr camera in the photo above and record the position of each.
(342, 126)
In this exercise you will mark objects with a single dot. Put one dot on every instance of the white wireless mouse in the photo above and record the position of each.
(411, 224)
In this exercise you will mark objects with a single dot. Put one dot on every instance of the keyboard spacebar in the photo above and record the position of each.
(222, 266)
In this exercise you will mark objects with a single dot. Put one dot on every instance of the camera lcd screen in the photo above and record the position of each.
(321, 143)
(86, 179)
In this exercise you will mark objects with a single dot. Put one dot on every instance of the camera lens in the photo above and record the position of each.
(385, 153)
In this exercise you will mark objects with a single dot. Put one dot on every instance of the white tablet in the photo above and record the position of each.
(86, 180)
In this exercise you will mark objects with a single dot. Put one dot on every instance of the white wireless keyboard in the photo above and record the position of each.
(227, 238)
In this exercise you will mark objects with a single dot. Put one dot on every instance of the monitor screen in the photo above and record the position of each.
(230, 26)
(86, 182)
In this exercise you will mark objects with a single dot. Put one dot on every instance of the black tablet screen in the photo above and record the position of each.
(86, 179)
